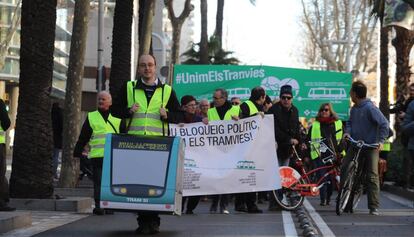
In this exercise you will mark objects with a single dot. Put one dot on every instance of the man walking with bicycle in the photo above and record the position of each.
(368, 124)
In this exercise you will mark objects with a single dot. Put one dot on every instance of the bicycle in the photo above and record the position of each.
(296, 185)
(350, 192)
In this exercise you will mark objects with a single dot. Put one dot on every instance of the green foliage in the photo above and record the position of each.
(216, 54)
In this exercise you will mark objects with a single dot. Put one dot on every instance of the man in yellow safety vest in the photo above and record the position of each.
(98, 123)
(148, 104)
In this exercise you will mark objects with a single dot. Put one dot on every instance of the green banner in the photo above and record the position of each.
(310, 88)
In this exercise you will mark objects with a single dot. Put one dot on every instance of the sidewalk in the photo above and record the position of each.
(36, 216)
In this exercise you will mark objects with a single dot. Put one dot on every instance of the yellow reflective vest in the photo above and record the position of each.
(100, 128)
(252, 108)
(213, 115)
(316, 134)
(2, 136)
(147, 120)
(386, 146)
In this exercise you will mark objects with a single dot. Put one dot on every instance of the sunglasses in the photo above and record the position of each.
(286, 97)
(324, 110)
(235, 103)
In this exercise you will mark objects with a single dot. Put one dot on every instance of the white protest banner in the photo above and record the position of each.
(229, 156)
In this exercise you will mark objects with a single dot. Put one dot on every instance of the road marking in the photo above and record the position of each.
(399, 200)
(318, 220)
(288, 224)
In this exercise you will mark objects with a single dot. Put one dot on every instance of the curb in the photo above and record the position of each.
(14, 220)
(70, 204)
(399, 191)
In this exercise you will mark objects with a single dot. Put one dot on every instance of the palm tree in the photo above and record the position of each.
(121, 46)
(216, 54)
(218, 32)
(146, 31)
(204, 34)
(72, 116)
(177, 23)
(32, 174)
(403, 43)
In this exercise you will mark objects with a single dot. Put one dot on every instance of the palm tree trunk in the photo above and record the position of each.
(204, 34)
(32, 174)
(384, 102)
(219, 22)
(121, 46)
(403, 43)
(146, 36)
(72, 116)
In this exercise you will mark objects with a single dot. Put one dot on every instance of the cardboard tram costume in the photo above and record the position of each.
(142, 173)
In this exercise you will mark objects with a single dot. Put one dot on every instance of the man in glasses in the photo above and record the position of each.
(222, 110)
(149, 105)
(287, 131)
(245, 202)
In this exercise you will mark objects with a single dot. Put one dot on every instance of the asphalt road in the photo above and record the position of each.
(396, 219)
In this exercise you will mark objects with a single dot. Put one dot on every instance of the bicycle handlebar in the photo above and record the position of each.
(362, 144)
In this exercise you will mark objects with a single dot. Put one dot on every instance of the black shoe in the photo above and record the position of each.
(143, 230)
(109, 212)
(240, 209)
(213, 209)
(328, 202)
(323, 203)
(189, 212)
(98, 211)
(7, 208)
(154, 228)
(254, 210)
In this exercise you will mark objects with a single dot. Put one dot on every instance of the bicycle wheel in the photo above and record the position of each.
(345, 191)
(357, 191)
(288, 198)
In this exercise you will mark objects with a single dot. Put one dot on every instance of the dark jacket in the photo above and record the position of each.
(120, 107)
(286, 127)
(222, 110)
(408, 126)
(4, 117)
(245, 109)
(191, 118)
(86, 134)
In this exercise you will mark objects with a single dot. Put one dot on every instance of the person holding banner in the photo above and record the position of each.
(222, 110)
(253, 106)
(148, 104)
(97, 124)
(286, 122)
(204, 106)
(189, 104)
